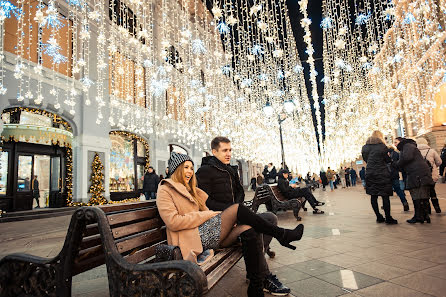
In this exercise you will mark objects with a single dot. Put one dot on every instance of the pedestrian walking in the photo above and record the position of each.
(150, 184)
(353, 176)
(331, 175)
(342, 176)
(324, 179)
(377, 176)
(362, 176)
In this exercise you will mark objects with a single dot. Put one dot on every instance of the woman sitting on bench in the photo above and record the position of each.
(198, 230)
(291, 192)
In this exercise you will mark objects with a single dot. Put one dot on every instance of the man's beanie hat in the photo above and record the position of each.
(175, 160)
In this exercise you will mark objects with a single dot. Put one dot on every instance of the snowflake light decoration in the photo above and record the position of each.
(198, 46)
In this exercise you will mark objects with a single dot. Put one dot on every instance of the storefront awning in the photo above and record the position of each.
(37, 134)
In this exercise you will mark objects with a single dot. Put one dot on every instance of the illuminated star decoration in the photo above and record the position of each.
(79, 3)
(6, 8)
(52, 49)
(298, 69)
(198, 46)
(327, 23)
(223, 28)
(257, 50)
(226, 69)
(409, 19)
(53, 19)
(362, 18)
(158, 87)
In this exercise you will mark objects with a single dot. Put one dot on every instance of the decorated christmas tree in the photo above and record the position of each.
(97, 182)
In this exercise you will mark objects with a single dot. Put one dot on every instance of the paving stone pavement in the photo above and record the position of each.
(343, 252)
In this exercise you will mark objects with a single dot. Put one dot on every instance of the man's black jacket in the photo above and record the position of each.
(221, 182)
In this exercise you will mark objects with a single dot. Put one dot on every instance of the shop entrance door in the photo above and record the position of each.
(24, 197)
(41, 181)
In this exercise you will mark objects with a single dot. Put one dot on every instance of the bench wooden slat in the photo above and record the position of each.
(91, 229)
(127, 206)
(88, 264)
(215, 275)
(129, 217)
(143, 254)
(88, 242)
(136, 228)
(140, 240)
(219, 257)
(89, 253)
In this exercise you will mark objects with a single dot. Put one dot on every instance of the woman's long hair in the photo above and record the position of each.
(178, 176)
(379, 134)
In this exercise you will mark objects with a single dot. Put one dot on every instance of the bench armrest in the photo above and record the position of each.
(178, 278)
(165, 252)
(28, 275)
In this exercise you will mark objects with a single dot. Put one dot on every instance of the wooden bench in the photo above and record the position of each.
(274, 201)
(130, 239)
(262, 196)
(279, 202)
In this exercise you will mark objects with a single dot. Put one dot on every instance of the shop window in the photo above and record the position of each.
(4, 163)
(140, 149)
(27, 118)
(128, 160)
(140, 171)
(63, 36)
(24, 173)
(122, 175)
(127, 80)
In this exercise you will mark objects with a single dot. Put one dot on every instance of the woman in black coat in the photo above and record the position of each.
(377, 175)
(419, 177)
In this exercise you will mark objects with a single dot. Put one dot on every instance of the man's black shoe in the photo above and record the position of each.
(274, 287)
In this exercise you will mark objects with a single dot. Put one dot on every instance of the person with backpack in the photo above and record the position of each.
(419, 177)
(331, 175)
(434, 161)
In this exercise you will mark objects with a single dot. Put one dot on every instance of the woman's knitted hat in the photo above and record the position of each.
(175, 160)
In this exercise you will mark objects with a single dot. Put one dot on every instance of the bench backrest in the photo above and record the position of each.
(277, 194)
(136, 227)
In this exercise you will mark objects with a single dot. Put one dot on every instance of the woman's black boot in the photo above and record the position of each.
(417, 218)
(426, 206)
(252, 248)
(246, 217)
(436, 205)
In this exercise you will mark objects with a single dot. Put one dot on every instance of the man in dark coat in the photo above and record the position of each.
(419, 177)
(221, 182)
(289, 192)
(362, 175)
(395, 176)
(353, 176)
(324, 179)
(377, 175)
(150, 185)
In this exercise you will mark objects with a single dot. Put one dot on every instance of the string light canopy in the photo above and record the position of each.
(383, 61)
(189, 75)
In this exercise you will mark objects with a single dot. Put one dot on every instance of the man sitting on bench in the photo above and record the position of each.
(292, 191)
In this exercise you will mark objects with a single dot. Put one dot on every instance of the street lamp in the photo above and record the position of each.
(268, 109)
(288, 107)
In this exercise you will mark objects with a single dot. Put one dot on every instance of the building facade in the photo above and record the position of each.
(66, 95)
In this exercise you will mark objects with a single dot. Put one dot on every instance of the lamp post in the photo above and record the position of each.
(288, 108)
(282, 117)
